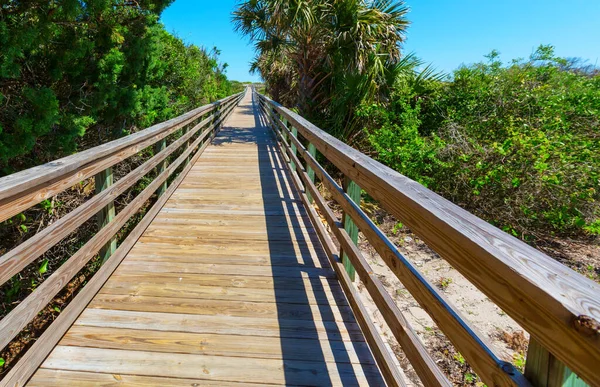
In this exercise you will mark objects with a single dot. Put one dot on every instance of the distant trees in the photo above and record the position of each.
(68, 66)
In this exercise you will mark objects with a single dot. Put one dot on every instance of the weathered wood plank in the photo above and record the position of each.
(232, 308)
(301, 282)
(215, 344)
(178, 289)
(225, 325)
(61, 378)
(251, 370)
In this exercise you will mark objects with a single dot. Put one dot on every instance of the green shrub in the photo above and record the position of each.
(517, 144)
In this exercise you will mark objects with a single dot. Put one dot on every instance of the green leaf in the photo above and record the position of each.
(23, 228)
(2, 362)
(43, 267)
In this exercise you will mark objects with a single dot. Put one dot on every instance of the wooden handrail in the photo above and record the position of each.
(25, 189)
(556, 305)
(15, 260)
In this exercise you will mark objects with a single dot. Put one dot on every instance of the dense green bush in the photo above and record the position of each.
(518, 144)
(69, 66)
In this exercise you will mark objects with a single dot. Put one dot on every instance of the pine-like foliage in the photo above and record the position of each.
(70, 66)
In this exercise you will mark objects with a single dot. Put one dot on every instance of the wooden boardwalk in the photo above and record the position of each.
(228, 286)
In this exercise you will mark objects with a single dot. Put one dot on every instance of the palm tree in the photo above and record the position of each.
(306, 49)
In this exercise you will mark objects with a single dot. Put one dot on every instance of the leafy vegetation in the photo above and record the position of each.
(517, 144)
(70, 66)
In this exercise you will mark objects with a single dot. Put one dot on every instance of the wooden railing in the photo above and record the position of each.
(557, 306)
(23, 190)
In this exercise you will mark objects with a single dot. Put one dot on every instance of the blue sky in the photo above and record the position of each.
(445, 33)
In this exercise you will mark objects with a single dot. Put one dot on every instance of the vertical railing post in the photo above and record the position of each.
(354, 191)
(187, 143)
(311, 173)
(542, 369)
(160, 168)
(103, 180)
(285, 133)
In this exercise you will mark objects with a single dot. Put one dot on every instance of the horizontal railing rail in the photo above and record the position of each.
(25, 189)
(557, 306)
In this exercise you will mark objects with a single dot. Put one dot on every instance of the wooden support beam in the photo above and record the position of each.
(353, 190)
(311, 173)
(294, 150)
(542, 369)
(187, 143)
(103, 181)
(159, 146)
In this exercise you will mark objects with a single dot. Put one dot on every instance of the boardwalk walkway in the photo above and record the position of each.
(228, 286)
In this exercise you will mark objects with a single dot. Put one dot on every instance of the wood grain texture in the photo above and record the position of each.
(60, 378)
(218, 368)
(549, 300)
(233, 288)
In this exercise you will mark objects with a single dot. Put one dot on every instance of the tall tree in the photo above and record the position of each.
(306, 50)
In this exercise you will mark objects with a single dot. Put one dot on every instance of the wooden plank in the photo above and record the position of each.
(61, 378)
(219, 248)
(178, 289)
(223, 368)
(216, 345)
(302, 282)
(311, 173)
(547, 299)
(224, 259)
(275, 271)
(263, 310)
(354, 192)
(544, 370)
(158, 147)
(224, 325)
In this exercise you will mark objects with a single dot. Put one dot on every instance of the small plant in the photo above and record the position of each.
(519, 361)
(397, 227)
(13, 291)
(459, 358)
(43, 267)
(444, 282)
(470, 378)
(2, 362)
